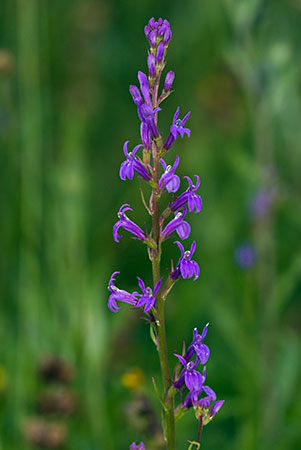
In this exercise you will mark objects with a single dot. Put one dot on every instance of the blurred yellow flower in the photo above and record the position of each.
(133, 378)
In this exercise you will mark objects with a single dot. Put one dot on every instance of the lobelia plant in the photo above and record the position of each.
(186, 380)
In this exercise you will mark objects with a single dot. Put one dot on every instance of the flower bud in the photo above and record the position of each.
(151, 22)
(170, 76)
(162, 30)
(151, 62)
(144, 86)
(160, 52)
(167, 36)
(146, 30)
(152, 37)
(136, 95)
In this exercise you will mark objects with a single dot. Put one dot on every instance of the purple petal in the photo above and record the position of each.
(157, 286)
(196, 270)
(210, 392)
(202, 352)
(192, 249)
(183, 230)
(198, 203)
(184, 268)
(193, 380)
(182, 360)
(173, 184)
(179, 244)
(184, 120)
(176, 115)
(116, 227)
(190, 269)
(112, 305)
(125, 146)
(141, 285)
(123, 170)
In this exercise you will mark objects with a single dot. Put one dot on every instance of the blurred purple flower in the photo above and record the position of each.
(261, 203)
(135, 446)
(245, 256)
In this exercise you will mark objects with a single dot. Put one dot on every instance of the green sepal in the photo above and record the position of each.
(158, 395)
(179, 413)
(153, 335)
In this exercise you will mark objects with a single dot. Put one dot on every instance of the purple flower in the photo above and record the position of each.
(177, 224)
(205, 409)
(147, 115)
(144, 86)
(151, 62)
(169, 180)
(135, 93)
(160, 52)
(135, 446)
(177, 129)
(132, 165)
(170, 76)
(148, 298)
(119, 295)
(197, 347)
(192, 378)
(262, 203)
(190, 197)
(127, 224)
(245, 256)
(186, 267)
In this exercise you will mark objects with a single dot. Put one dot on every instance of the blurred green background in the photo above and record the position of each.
(65, 112)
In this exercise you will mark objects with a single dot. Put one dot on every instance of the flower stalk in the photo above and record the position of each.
(153, 299)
